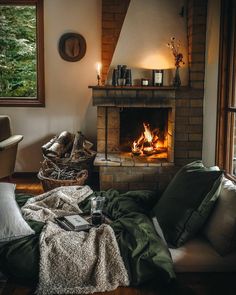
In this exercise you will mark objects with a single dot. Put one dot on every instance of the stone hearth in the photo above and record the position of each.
(124, 172)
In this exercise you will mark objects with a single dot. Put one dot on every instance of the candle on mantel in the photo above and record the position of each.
(98, 68)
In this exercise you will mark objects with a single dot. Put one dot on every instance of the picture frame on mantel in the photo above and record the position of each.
(157, 77)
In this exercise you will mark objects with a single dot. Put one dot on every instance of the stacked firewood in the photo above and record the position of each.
(67, 156)
(74, 147)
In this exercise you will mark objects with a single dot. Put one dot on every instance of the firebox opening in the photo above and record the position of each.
(143, 131)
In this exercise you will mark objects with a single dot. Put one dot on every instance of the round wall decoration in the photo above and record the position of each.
(72, 47)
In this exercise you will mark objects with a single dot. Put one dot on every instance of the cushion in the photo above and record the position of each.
(220, 228)
(187, 202)
(12, 224)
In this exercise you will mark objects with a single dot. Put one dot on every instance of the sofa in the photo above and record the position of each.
(214, 248)
(210, 247)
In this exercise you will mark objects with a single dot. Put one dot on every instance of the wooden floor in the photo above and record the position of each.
(187, 284)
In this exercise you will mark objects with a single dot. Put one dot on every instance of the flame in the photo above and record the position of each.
(148, 142)
(147, 133)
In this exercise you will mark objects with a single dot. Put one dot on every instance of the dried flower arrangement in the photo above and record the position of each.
(174, 46)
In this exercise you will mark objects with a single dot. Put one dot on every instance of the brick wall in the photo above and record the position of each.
(135, 178)
(196, 25)
(113, 127)
(189, 104)
(113, 15)
(189, 125)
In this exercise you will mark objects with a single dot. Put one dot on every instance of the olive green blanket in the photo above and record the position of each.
(145, 255)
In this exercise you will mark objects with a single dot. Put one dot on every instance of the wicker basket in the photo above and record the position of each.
(50, 183)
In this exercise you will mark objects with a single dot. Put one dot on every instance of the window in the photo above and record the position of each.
(226, 128)
(21, 53)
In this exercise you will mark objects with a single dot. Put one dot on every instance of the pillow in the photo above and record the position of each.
(220, 228)
(12, 224)
(186, 203)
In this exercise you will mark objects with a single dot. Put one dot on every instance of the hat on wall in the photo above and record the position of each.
(72, 47)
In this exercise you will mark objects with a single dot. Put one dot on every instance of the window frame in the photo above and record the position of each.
(39, 101)
(226, 108)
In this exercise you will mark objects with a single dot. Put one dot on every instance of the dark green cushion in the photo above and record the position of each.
(187, 202)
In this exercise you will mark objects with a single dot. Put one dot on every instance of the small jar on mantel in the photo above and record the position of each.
(144, 82)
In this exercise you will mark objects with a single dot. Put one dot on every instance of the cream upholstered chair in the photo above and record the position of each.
(8, 147)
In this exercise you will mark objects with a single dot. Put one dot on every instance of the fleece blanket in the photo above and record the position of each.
(74, 262)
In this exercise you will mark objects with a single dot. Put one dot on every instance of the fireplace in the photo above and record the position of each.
(121, 114)
(124, 116)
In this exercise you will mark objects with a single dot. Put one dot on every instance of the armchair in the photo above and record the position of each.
(8, 147)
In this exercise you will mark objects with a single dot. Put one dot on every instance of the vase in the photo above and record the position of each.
(176, 79)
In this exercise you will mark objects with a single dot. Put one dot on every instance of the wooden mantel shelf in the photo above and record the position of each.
(133, 96)
(109, 87)
(141, 96)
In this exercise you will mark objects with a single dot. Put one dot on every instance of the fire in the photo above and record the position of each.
(148, 143)
(147, 133)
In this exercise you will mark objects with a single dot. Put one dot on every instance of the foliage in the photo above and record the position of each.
(18, 68)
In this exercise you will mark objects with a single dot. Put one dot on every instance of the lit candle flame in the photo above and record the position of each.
(98, 68)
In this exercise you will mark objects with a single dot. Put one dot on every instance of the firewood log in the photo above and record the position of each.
(47, 145)
(61, 145)
(77, 145)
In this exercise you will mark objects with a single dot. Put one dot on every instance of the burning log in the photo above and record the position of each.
(148, 148)
(148, 143)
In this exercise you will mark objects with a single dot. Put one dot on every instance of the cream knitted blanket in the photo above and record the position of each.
(74, 262)
(58, 202)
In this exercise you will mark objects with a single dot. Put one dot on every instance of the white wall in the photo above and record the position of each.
(148, 27)
(68, 99)
(211, 78)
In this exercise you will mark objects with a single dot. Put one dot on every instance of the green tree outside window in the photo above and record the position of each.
(21, 53)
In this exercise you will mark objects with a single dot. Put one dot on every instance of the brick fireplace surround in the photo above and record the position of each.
(125, 172)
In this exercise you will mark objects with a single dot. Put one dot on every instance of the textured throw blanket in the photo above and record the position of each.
(74, 262)
(56, 203)
(79, 262)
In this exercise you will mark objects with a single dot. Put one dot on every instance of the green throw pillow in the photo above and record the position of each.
(187, 202)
